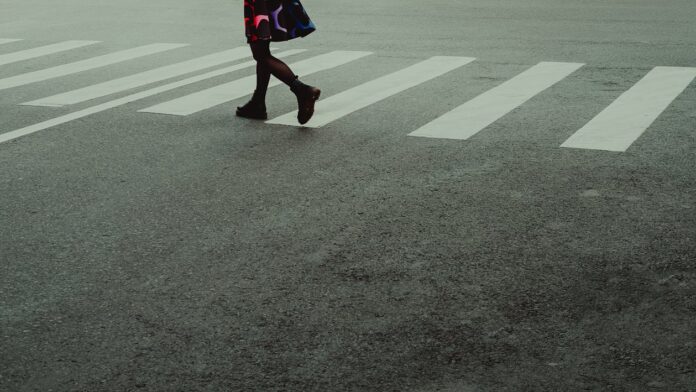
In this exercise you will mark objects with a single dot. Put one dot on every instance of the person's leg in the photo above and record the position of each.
(256, 107)
(261, 51)
(267, 65)
(263, 77)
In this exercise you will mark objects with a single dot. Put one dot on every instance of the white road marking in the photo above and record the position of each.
(141, 79)
(42, 51)
(622, 122)
(217, 95)
(359, 97)
(84, 65)
(480, 112)
(8, 40)
(130, 98)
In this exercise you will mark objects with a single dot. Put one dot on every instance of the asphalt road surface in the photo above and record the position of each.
(493, 196)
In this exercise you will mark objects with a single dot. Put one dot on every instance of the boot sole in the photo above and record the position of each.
(252, 117)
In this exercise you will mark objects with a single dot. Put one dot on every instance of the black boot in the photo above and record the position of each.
(306, 97)
(254, 109)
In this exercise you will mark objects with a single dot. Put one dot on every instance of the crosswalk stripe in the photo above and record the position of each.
(42, 51)
(130, 98)
(84, 65)
(480, 112)
(361, 96)
(220, 94)
(141, 79)
(8, 40)
(625, 120)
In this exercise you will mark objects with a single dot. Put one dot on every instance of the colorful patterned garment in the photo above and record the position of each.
(275, 20)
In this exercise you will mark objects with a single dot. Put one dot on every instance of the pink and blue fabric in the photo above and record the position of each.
(275, 20)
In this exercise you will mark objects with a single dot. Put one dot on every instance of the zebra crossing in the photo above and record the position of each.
(634, 111)
(141, 79)
(40, 51)
(615, 128)
(8, 40)
(480, 112)
(85, 65)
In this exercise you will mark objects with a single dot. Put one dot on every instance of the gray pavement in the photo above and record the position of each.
(144, 251)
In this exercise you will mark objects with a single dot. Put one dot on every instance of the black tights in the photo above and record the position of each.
(267, 65)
